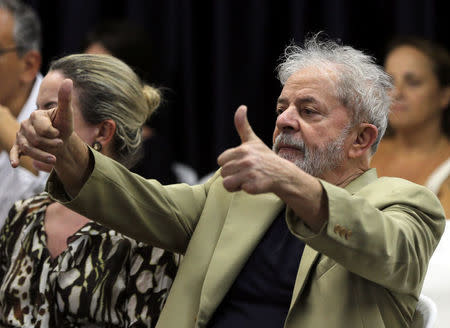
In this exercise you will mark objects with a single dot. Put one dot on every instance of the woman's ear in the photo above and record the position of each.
(365, 138)
(106, 130)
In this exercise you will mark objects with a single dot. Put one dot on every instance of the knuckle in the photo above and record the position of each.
(227, 185)
(33, 116)
(224, 172)
(247, 162)
(244, 148)
(249, 187)
(46, 130)
(252, 175)
(34, 141)
(26, 148)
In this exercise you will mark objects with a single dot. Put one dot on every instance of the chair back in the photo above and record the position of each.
(426, 313)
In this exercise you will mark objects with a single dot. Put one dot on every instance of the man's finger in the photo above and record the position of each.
(14, 156)
(40, 124)
(64, 112)
(242, 126)
(229, 155)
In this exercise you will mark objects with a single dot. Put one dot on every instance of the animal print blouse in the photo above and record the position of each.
(103, 279)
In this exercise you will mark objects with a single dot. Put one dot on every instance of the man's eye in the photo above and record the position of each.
(279, 111)
(308, 111)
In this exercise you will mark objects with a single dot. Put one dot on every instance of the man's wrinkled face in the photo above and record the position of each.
(11, 65)
(312, 125)
(314, 160)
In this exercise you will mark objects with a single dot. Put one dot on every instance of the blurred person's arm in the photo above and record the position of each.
(8, 129)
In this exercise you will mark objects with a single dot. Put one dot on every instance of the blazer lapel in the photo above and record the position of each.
(248, 219)
(309, 256)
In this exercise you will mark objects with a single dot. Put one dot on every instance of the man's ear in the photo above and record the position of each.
(32, 61)
(365, 138)
(106, 130)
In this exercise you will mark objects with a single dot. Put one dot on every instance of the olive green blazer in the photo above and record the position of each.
(364, 269)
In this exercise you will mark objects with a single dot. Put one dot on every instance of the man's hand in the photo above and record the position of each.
(255, 168)
(43, 134)
(252, 167)
(48, 137)
(8, 128)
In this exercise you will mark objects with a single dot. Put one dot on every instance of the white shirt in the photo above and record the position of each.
(437, 281)
(19, 183)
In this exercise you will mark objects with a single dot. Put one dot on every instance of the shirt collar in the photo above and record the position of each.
(30, 105)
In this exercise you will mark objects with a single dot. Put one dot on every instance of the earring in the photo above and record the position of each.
(97, 146)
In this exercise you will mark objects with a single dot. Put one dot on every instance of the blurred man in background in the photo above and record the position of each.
(20, 62)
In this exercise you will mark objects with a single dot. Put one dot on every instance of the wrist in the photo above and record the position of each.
(73, 164)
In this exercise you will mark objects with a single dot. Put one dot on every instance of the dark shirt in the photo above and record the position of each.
(261, 294)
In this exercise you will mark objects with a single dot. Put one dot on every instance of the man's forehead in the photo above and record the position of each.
(308, 82)
(314, 75)
(6, 27)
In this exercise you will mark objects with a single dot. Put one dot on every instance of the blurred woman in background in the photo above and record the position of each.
(418, 146)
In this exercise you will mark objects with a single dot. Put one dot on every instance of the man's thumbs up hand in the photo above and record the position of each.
(45, 131)
(62, 118)
(243, 128)
(252, 166)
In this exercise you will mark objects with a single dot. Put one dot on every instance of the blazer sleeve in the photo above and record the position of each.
(145, 210)
(385, 233)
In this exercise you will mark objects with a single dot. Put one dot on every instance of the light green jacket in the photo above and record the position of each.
(364, 269)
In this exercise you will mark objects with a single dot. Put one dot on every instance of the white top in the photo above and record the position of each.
(19, 183)
(437, 281)
(437, 178)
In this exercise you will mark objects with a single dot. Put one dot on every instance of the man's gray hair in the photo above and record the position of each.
(360, 84)
(27, 27)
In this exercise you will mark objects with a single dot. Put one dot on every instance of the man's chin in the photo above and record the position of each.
(291, 154)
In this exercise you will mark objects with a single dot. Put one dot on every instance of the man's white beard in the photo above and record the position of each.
(315, 160)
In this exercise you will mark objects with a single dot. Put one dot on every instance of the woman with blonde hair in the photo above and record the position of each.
(59, 268)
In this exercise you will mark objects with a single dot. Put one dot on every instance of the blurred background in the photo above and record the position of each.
(211, 56)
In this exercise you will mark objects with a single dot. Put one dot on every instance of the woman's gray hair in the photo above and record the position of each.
(109, 89)
(27, 27)
(360, 84)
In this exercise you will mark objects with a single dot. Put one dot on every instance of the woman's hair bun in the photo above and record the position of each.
(152, 97)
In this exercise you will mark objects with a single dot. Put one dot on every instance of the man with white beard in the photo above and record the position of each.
(305, 235)
(314, 161)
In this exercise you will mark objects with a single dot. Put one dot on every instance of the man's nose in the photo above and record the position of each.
(288, 120)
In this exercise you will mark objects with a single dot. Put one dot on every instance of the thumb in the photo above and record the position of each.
(242, 126)
(64, 116)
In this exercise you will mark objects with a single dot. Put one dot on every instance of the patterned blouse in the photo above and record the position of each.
(102, 279)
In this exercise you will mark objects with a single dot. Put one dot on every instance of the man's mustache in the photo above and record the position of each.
(288, 140)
